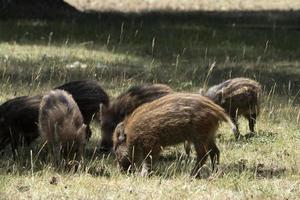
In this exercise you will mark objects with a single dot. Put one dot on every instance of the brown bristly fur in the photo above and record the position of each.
(61, 125)
(124, 105)
(239, 97)
(170, 120)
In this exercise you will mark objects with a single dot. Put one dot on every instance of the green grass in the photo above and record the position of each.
(120, 51)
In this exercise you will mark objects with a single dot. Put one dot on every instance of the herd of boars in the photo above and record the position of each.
(136, 125)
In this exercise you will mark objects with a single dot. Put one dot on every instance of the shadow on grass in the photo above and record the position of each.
(256, 171)
(168, 165)
(52, 70)
(94, 163)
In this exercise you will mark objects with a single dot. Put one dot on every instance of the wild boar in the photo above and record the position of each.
(239, 97)
(19, 116)
(88, 95)
(61, 126)
(124, 105)
(172, 119)
(18, 121)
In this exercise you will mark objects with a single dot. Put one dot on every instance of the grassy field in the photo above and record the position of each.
(120, 51)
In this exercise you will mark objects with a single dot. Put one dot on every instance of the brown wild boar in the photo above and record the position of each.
(61, 126)
(170, 120)
(124, 105)
(239, 97)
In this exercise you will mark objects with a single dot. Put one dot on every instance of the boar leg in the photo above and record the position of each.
(14, 144)
(55, 149)
(79, 154)
(214, 154)
(187, 147)
(149, 159)
(201, 158)
(146, 167)
(252, 121)
(138, 157)
(236, 131)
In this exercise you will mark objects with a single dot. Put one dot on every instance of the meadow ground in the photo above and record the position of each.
(185, 51)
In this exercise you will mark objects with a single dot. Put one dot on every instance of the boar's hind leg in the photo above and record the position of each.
(201, 158)
(252, 121)
(214, 154)
(236, 131)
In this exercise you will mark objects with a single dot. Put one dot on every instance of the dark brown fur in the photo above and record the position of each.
(170, 120)
(124, 105)
(239, 97)
(18, 121)
(19, 116)
(88, 95)
(61, 125)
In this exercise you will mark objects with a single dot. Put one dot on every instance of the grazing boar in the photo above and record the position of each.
(61, 125)
(170, 120)
(88, 95)
(18, 121)
(124, 105)
(239, 97)
(19, 116)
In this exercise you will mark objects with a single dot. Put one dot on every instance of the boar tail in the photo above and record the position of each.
(227, 119)
(223, 116)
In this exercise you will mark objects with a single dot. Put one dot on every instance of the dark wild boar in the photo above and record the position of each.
(61, 126)
(170, 120)
(88, 95)
(124, 105)
(18, 122)
(19, 116)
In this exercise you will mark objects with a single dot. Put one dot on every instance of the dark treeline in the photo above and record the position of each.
(36, 9)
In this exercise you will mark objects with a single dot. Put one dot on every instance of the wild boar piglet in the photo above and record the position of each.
(124, 105)
(167, 121)
(239, 97)
(61, 126)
